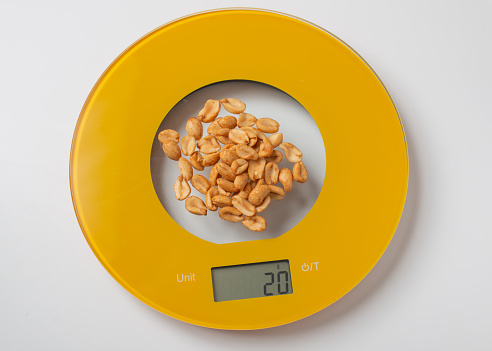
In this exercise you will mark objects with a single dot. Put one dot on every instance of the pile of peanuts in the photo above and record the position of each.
(244, 171)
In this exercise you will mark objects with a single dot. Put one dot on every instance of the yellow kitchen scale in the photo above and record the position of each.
(259, 283)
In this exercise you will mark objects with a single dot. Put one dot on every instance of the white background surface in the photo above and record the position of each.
(430, 291)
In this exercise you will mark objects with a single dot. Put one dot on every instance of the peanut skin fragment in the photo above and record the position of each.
(255, 223)
(196, 206)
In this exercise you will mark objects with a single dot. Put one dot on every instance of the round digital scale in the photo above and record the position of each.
(252, 284)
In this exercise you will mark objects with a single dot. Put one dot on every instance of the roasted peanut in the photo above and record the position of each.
(200, 183)
(228, 122)
(300, 172)
(194, 128)
(225, 171)
(246, 152)
(223, 132)
(241, 181)
(276, 192)
(258, 194)
(223, 192)
(275, 157)
(276, 139)
(209, 111)
(210, 159)
(214, 127)
(239, 166)
(196, 206)
(239, 136)
(181, 188)
(208, 145)
(221, 201)
(185, 168)
(188, 144)
(245, 192)
(266, 148)
(171, 149)
(292, 154)
(196, 161)
(227, 185)
(286, 178)
(246, 120)
(267, 125)
(224, 140)
(271, 173)
(258, 183)
(228, 156)
(255, 223)
(264, 204)
(256, 168)
(168, 134)
(243, 206)
(252, 135)
(233, 105)
(214, 175)
(208, 198)
(230, 214)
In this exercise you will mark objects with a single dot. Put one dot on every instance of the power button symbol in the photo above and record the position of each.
(313, 266)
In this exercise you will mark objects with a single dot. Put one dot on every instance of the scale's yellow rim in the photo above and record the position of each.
(143, 248)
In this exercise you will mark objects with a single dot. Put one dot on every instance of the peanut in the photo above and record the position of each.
(208, 198)
(214, 174)
(300, 172)
(221, 201)
(255, 223)
(209, 111)
(230, 214)
(196, 160)
(246, 152)
(168, 134)
(227, 185)
(246, 120)
(200, 183)
(225, 171)
(210, 159)
(229, 122)
(245, 192)
(266, 148)
(239, 136)
(241, 181)
(188, 144)
(267, 125)
(223, 132)
(276, 192)
(258, 194)
(208, 145)
(286, 179)
(276, 139)
(214, 127)
(223, 192)
(194, 128)
(185, 168)
(171, 149)
(233, 105)
(243, 206)
(228, 156)
(275, 157)
(181, 188)
(239, 166)
(196, 206)
(256, 168)
(271, 173)
(264, 204)
(224, 140)
(291, 152)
